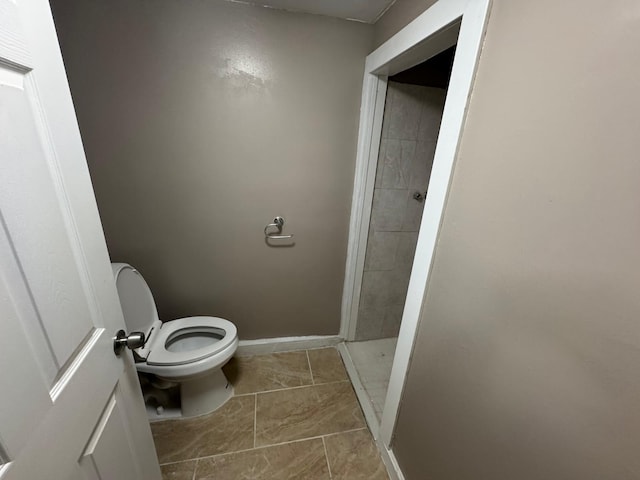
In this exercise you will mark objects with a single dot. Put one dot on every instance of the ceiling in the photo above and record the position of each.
(367, 11)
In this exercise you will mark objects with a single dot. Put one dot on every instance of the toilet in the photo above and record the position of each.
(188, 351)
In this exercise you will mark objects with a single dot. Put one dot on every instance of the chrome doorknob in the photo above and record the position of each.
(131, 341)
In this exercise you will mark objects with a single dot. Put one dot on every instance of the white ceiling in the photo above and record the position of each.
(362, 10)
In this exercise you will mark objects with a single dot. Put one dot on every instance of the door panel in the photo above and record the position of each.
(70, 408)
(100, 459)
(22, 419)
(30, 323)
(59, 298)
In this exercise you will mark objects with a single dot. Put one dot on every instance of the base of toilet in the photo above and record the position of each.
(204, 394)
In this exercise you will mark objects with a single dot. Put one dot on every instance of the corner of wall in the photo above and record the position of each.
(396, 17)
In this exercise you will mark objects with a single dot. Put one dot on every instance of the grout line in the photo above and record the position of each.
(255, 420)
(195, 470)
(346, 431)
(180, 461)
(313, 382)
(326, 456)
(288, 388)
(317, 437)
(238, 395)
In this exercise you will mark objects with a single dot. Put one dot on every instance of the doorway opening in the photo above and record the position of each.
(447, 23)
(413, 111)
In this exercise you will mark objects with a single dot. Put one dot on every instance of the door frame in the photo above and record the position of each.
(447, 22)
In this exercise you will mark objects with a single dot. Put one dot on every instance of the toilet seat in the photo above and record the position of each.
(161, 352)
(186, 352)
(199, 353)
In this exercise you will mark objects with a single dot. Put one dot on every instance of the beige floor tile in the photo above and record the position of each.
(300, 461)
(306, 412)
(178, 471)
(326, 365)
(354, 456)
(228, 429)
(261, 373)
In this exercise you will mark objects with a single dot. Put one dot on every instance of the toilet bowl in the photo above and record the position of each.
(188, 351)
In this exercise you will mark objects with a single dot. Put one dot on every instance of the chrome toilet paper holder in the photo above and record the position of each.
(278, 223)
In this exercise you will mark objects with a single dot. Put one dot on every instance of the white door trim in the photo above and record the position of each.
(430, 33)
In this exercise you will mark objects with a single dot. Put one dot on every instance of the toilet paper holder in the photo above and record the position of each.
(278, 223)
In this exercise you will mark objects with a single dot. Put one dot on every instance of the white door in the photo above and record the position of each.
(69, 408)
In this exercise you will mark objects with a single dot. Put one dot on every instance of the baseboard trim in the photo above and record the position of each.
(285, 344)
(390, 461)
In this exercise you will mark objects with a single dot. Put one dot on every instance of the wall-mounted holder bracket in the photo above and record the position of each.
(278, 223)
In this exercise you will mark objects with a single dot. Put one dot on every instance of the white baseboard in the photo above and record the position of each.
(361, 393)
(389, 460)
(285, 344)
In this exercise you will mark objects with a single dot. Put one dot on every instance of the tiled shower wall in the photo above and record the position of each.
(409, 131)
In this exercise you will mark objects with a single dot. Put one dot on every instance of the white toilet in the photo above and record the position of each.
(189, 351)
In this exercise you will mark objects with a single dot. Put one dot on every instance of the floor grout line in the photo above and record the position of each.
(283, 390)
(317, 437)
(313, 382)
(255, 420)
(182, 461)
(326, 456)
(195, 470)
(346, 431)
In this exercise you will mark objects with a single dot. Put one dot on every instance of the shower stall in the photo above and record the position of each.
(412, 116)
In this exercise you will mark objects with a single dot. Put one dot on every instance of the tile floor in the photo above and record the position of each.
(373, 360)
(294, 416)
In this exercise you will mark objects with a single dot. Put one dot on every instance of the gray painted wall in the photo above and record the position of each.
(526, 362)
(201, 122)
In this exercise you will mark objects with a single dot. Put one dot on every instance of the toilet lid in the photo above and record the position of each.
(188, 340)
(136, 299)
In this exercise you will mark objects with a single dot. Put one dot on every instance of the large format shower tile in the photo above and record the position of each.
(299, 460)
(397, 163)
(228, 429)
(370, 321)
(261, 373)
(404, 111)
(306, 412)
(375, 289)
(431, 115)
(381, 250)
(387, 212)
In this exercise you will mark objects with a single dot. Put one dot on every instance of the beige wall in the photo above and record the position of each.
(394, 19)
(201, 122)
(527, 359)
